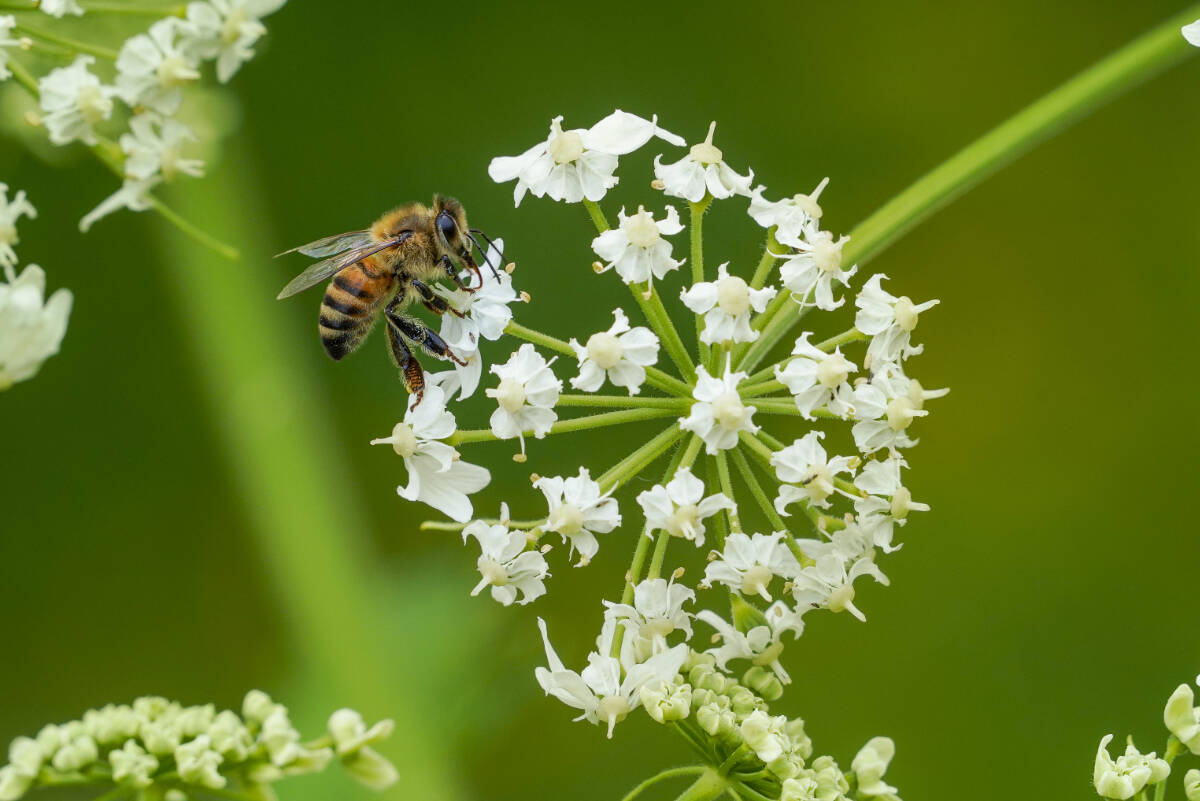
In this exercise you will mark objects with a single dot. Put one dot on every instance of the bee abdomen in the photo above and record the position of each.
(349, 308)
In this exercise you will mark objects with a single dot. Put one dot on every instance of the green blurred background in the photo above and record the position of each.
(1045, 601)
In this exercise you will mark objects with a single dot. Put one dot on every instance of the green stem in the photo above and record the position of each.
(787, 406)
(770, 255)
(637, 461)
(654, 377)
(710, 785)
(683, 458)
(767, 507)
(73, 44)
(567, 426)
(696, 233)
(670, 773)
(722, 463)
(776, 321)
(1144, 57)
(203, 237)
(624, 402)
(25, 78)
(650, 302)
(748, 390)
(597, 214)
(659, 556)
(133, 9)
(844, 338)
(1174, 748)
(449, 525)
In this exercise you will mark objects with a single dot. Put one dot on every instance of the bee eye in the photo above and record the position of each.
(445, 224)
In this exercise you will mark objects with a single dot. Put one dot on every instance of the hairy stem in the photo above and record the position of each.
(601, 420)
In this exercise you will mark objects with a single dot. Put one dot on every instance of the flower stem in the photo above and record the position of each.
(199, 235)
(134, 9)
(1174, 748)
(749, 390)
(1144, 57)
(597, 214)
(786, 406)
(722, 464)
(684, 458)
(636, 462)
(624, 402)
(654, 377)
(696, 233)
(844, 338)
(769, 257)
(73, 44)
(566, 426)
(656, 314)
(670, 773)
(776, 321)
(710, 785)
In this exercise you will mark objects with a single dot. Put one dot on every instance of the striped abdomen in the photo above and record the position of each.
(350, 307)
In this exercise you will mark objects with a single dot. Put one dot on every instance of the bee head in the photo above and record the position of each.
(450, 221)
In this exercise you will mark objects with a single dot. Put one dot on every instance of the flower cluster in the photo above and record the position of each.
(157, 743)
(1133, 771)
(127, 103)
(788, 519)
(31, 328)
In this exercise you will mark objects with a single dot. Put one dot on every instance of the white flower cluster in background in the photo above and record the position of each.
(785, 478)
(128, 107)
(31, 327)
(161, 744)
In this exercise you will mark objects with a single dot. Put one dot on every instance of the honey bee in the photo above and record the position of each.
(388, 266)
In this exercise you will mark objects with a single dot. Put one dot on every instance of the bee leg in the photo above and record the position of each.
(421, 334)
(410, 368)
(452, 271)
(435, 303)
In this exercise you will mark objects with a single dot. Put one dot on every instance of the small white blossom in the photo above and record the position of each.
(436, 475)
(718, 415)
(599, 691)
(526, 395)
(620, 354)
(726, 304)
(59, 8)
(1182, 717)
(828, 584)
(578, 511)
(10, 212)
(1191, 32)
(793, 217)
(152, 67)
(702, 171)
(134, 195)
(636, 248)
(7, 23)
(883, 478)
(152, 152)
(226, 30)
(812, 270)
(679, 508)
(818, 379)
(889, 321)
(869, 765)
(30, 331)
(74, 101)
(762, 644)
(886, 406)
(806, 464)
(656, 613)
(747, 564)
(765, 735)
(578, 163)
(505, 565)
(1126, 776)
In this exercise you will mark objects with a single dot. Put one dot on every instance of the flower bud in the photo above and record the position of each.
(743, 702)
(1182, 718)
(12, 784)
(745, 616)
(666, 702)
(371, 769)
(763, 682)
(132, 766)
(717, 722)
(1191, 785)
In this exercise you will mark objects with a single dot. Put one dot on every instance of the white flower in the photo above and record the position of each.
(1191, 32)
(805, 463)
(505, 565)
(599, 691)
(793, 217)
(869, 765)
(816, 378)
(74, 101)
(578, 163)
(1191, 779)
(1128, 774)
(153, 152)
(718, 415)
(886, 406)
(828, 584)
(58, 8)
(621, 354)
(352, 740)
(134, 195)
(10, 211)
(747, 564)
(636, 247)
(883, 478)
(7, 23)
(888, 320)
(814, 267)
(766, 735)
(578, 511)
(226, 30)
(436, 475)
(656, 613)
(152, 67)
(702, 171)
(762, 644)
(1182, 717)
(526, 395)
(726, 304)
(679, 509)
(30, 331)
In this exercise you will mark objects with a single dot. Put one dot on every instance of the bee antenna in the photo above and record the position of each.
(488, 239)
(484, 252)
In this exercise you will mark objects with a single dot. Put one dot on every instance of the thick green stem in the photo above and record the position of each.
(584, 423)
(1144, 57)
(670, 773)
(597, 215)
(710, 785)
(771, 253)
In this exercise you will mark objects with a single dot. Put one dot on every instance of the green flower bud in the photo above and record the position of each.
(49, 739)
(715, 721)
(697, 658)
(1183, 718)
(831, 781)
(786, 766)
(279, 737)
(714, 682)
(743, 702)
(161, 737)
(257, 706)
(25, 756)
(112, 724)
(230, 738)
(804, 788)
(132, 766)
(76, 754)
(12, 784)
(765, 735)
(702, 697)
(152, 707)
(371, 769)
(195, 720)
(1191, 785)
(698, 673)
(763, 682)
(198, 764)
(871, 763)
(745, 616)
(801, 742)
(665, 702)
(350, 732)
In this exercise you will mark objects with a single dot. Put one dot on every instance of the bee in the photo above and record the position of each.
(387, 267)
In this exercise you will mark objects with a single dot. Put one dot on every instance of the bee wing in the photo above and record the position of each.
(330, 245)
(321, 270)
